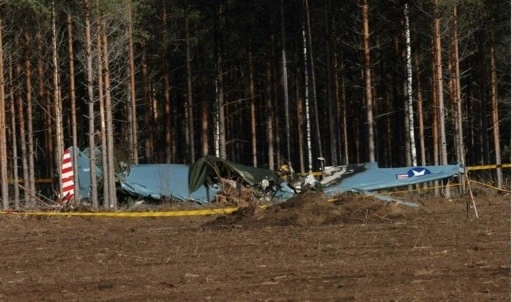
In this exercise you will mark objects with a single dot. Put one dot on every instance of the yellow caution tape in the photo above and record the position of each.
(487, 167)
(128, 214)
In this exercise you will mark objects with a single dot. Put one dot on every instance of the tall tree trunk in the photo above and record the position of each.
(483, 121)
(435, 113)
(57, 102)
(72, 99)
(274, 96)
(421, 127)
(269, 113)
(42, 99)
(332, 85)
(410, 108)
(190, 99)
(495, 115)
(252, 105)
(300, 118)
(102, 115)
(31, 185)
(90, 103)
(169, 156)
(439, 88)
(148, 114)
(306, 100)
(110, 175)
(219, 83)
(459, 137)
(14, 132)
(285, 84)
(368, 81)
(3, 133)
(343, 112)
(23, 134)
(313, 80)
(132, 107)
(205, 112)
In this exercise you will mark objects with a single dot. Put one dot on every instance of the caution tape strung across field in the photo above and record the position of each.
(488, 167)
(176, 213)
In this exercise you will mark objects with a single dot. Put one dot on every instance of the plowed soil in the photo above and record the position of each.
(307, 249)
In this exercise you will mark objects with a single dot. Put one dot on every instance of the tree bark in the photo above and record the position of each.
(313, 81)
(410, 107)
(285, 84)
(42, 99)
(90, 104)
(23, 133)
(495, 114)
(459, 137)
(421, 127)
(368, 81)
(110, 176)
(269, 113)
(252, 108)
(332, 86)
(205, 112)
(57, 102)
(148, 114)
(31, 184)
(102, 115)
(190, 99)
(14, 132)
(306, 101)
(3, 133)
(439, 88)
(300, 118)
(132, 106)
(72, 99)
(219, 83)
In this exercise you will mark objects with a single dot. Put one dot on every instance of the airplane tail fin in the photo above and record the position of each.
(67, 181)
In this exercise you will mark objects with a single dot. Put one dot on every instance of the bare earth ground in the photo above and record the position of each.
(307, 249)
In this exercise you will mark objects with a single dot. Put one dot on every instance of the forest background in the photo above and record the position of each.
(259, 83)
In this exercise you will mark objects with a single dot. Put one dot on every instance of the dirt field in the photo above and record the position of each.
(307, 249)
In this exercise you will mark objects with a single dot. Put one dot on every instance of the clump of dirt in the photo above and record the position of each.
(357, 208)
(314, 208)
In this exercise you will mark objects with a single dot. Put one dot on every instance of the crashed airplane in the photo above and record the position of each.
(211, 176)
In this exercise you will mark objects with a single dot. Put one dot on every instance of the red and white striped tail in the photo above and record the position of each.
(67, 179)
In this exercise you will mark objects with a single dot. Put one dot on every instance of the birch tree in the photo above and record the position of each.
(410, 108)
(220, 131)
(313, 79)
(306, 100)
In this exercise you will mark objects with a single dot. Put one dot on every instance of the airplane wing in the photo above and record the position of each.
(158, 181)
(369, 177)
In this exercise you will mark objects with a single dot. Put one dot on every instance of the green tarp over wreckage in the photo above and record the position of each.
(209, 168)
